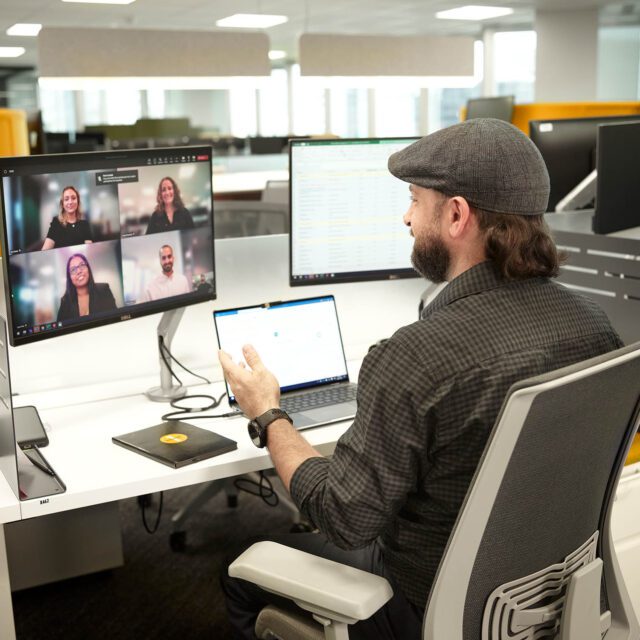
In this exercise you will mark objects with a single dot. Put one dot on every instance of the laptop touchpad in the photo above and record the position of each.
(331, 413)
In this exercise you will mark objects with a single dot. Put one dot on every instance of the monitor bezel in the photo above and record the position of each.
(136, 311)
(350, 276)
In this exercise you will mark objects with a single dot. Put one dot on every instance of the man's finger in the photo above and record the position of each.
(252, 357)
(226, 363)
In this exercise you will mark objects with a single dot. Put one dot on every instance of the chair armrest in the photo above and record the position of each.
(316, 584)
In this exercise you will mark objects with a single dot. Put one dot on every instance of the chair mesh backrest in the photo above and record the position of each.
(555, 490)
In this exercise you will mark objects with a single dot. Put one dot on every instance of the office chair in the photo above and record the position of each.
(276, 191)
(241, 218)
(499, 107)
(531, 554)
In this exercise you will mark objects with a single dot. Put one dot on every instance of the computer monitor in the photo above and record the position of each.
(499, 107)
(569, 150)
(120, 257)
(618, 187)
(346, 212)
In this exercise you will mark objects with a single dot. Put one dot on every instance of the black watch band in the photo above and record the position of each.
(258, 426)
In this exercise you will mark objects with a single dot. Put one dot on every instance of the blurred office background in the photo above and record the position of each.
(288, 103)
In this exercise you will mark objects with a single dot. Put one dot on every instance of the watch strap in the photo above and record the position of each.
(272, 415)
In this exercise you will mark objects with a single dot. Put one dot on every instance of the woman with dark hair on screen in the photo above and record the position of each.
(170, 213)
(69, 227)
(83, 296)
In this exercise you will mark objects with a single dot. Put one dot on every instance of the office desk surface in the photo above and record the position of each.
(95, 470)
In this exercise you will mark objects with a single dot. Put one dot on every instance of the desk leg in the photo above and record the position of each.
(7, 628)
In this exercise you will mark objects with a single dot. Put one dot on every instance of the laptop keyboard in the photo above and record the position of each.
(319, 398)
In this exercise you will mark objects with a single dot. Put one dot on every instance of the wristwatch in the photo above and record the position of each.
(258, 426)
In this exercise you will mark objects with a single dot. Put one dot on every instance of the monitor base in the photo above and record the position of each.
(159, 394)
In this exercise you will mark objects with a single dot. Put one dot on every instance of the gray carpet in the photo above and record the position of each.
(158, 593)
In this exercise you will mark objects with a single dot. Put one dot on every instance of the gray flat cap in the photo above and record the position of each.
(489, 162)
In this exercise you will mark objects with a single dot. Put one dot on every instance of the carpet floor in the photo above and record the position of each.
(158, 593)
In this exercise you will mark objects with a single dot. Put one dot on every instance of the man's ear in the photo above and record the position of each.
(460, 218)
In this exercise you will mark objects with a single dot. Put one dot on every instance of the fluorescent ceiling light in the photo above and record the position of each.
(24, 29)
(474, 12)
(11, 52)
(277, 54)
(101, 1)
(251, 20)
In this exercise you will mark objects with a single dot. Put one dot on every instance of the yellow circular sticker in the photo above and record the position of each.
(173, 438)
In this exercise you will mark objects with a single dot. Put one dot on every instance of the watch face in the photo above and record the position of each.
(256, 434)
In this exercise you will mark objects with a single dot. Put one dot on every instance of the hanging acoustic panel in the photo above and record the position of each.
(148, 53)
(338, 55)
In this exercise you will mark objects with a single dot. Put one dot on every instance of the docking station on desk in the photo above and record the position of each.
(176, 443)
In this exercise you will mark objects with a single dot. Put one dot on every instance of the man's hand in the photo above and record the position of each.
(256, 389)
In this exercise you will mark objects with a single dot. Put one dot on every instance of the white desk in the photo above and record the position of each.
(95, 470)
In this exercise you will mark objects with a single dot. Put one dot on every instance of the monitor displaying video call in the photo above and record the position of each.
(95, 238)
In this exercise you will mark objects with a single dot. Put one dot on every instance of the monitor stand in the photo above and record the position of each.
(167, 391)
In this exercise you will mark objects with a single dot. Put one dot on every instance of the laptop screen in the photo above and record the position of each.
(299, 340)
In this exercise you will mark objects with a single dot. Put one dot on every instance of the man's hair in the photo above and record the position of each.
(165, 246)
(520, 246)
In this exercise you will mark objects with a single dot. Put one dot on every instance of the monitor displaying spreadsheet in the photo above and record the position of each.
(346, 212)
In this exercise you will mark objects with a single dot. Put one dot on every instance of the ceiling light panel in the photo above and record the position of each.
(11, 52)
(24, 29)
(474, 12)
(251, 21)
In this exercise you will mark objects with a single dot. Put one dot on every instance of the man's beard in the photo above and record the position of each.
(431, 259)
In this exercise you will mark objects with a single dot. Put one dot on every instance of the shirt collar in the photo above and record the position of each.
(479, 278)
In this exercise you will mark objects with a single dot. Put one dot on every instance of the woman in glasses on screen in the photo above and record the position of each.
(83, 296)
(69, 227)
(170, 213)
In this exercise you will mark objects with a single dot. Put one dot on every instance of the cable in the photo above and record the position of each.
(167, 364)
(165, 350)
(263, 489)
(144, 516)
(188, 412)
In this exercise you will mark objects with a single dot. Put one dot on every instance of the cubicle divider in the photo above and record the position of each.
(524, 113)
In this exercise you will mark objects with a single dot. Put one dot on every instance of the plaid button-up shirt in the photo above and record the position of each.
(427, 401)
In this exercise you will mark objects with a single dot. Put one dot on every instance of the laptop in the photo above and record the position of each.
(300, 342)
(175, 443)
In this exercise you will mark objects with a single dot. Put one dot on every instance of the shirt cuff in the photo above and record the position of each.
(311, 473)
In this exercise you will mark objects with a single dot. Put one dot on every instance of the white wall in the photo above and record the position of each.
(566, 59)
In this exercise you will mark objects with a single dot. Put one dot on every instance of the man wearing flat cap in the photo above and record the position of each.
(428, 397)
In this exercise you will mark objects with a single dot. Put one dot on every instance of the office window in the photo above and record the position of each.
(349, 112)
(308, 99)
(618, 70)
(514, 64)
(273, 101)
(445, 104)
(243, 113)
(155, 103)
(397, 110)
(58, 110)
(22, 90)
